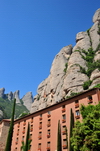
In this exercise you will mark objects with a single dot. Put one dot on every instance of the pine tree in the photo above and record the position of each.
(9, 138)
(59, 144)
(71, 127)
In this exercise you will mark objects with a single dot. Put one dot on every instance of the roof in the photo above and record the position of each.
(93, 89)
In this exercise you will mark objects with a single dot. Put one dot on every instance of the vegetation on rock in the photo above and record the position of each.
(6, 106)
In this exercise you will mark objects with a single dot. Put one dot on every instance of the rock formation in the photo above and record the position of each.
(27, 100)
(71, 68)
(2, 90)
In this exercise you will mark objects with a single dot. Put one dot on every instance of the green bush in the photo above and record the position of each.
(65, 69)
(87, 84)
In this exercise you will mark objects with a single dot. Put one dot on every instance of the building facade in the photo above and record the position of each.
(44, 123)
(4, 128)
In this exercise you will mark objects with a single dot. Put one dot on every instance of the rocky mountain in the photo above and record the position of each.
(74, 69)
(25, 101)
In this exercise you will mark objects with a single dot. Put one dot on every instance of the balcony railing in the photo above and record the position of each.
(63, 110)
(24, 123)
(63, 120)
(76, 105)
(18, 125)
(63, 132)
(48, 148)
(64, 146)
(23, 132)
(48, 124)
(39, 149)
(77, 116)
(48, 136)
(31, 129)
(48, 115)
(39, 137)
(16, 142)
(17, 133)
(40, 127)
(90, 101)
(40, 118)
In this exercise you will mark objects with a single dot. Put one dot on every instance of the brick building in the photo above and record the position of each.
(4, 128)
(44, 123)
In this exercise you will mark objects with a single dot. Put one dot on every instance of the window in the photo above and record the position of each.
(48, 133)
(77, 113)
(30, 136)
(49, 114)
(32, 120)
(40, 135)
(24, 123)
(90, 100)
(48, 146)
(49, 123)
(40, 125)
(17, 140)
(31, 129)
(39, 146)
(63, 108)
(40, 116)
(18, 132)
(64, 143)
(22, 138)
(76, 103)
(23, 130)
(64, 118)
(64, 130)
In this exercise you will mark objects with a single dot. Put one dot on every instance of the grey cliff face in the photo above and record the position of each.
(10, 96)
(2, 90)
(1, 114)
(27, 100)
(60, 84)
(16, 96)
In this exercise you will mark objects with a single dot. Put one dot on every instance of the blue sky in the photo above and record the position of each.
(32, 32)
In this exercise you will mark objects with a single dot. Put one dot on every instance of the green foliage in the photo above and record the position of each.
(59, 144)
(97, 86)
(10, 134)
(7, 105)
(86, 134)
(23, 114)
(74, 94)
(87, 84)
(90, 63)
(65, 69)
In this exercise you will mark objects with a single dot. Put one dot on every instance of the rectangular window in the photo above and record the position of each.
(40, 135)
(77, 113)
(76, 101)
(63, 108)
(90, 100)
(48, 133)
(64, 143)
(40, 125)
(48, 145)
(39, 146)
(49, 123)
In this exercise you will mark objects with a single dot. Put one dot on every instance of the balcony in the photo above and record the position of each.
(23, 132)
(63, 110)
(77, 116)
(39, 149)
(63, 120)
(76, 105)
(40, 127)
(16, 143)
(48, 115)
(48, 136)
(39, 137)
(18, 125)
(31, 120)
(31, 129)
(17, 133)
(40, 118)
(63, 132)
(64, 146)
(48, 148)
(48, 125)
(90, 101)
(24, 123)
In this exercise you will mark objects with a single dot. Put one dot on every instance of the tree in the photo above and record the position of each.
(59, 144)
(86, 134)
(26, 146)
(9, 138)
(71, 127)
